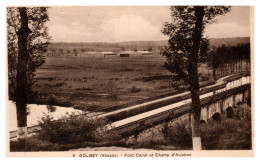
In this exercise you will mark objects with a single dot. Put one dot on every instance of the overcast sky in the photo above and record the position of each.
(116, 24)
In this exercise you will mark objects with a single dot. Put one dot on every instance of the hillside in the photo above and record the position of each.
(139, 45)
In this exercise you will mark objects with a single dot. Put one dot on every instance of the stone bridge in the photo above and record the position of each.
(230, 100)
(213, 106)
(214, 103)
(218, 102)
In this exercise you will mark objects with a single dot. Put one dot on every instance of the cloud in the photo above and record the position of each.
(122, 28)
(129, 28)
(226, 29)
(131, 23)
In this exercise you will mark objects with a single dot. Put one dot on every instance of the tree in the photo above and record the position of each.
(185, 46)
(68, 52)
(75, 51)
(150, 49)
(213, 61)
(83, 50)
(228, 56)
(53, 50)
(60, 52)
(27, 42)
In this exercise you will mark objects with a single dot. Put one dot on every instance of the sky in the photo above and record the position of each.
(131, 23)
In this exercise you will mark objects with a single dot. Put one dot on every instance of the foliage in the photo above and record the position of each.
(219, 56)
(181, 33)
(179, 135)
(74, 129)
(135, 89)
(83, 50)
(75, 51)
(187, 48)
(51, 100)
(230, 134)
(211, 135)
(112, 90)
(60, 51)
(37, 44)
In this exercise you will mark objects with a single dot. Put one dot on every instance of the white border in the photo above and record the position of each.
(5, 3)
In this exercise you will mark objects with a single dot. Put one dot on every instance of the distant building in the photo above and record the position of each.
(124, 53)
(134, 53)
(92, 54)
(53, 54)
(109, 54)
(145, 53)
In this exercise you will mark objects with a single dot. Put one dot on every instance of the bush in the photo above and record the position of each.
(51, 108)
(51, 100)
(135, 89)
(179, 135)
(112, 90)
(210, 135)
(230, 134)
(74, 129)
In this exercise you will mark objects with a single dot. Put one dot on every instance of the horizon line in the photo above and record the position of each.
(144, 40)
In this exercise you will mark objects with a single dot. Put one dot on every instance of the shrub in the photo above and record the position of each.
(204, 78)
(112, 90)
(230, 134)
(74, 129)
(210, 134)
(51, 100)
(179, 135)
(135, 89)
(243, 111)
(51, 108)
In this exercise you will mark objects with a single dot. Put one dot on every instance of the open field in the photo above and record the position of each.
(96, 83)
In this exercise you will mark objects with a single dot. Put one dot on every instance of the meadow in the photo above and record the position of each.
(98, 83)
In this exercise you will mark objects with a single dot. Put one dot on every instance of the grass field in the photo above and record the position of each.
(97, 83)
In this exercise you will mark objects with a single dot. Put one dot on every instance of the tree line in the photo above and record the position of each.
(228, 59)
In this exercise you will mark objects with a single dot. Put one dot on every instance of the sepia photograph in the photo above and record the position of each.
(130, 81)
